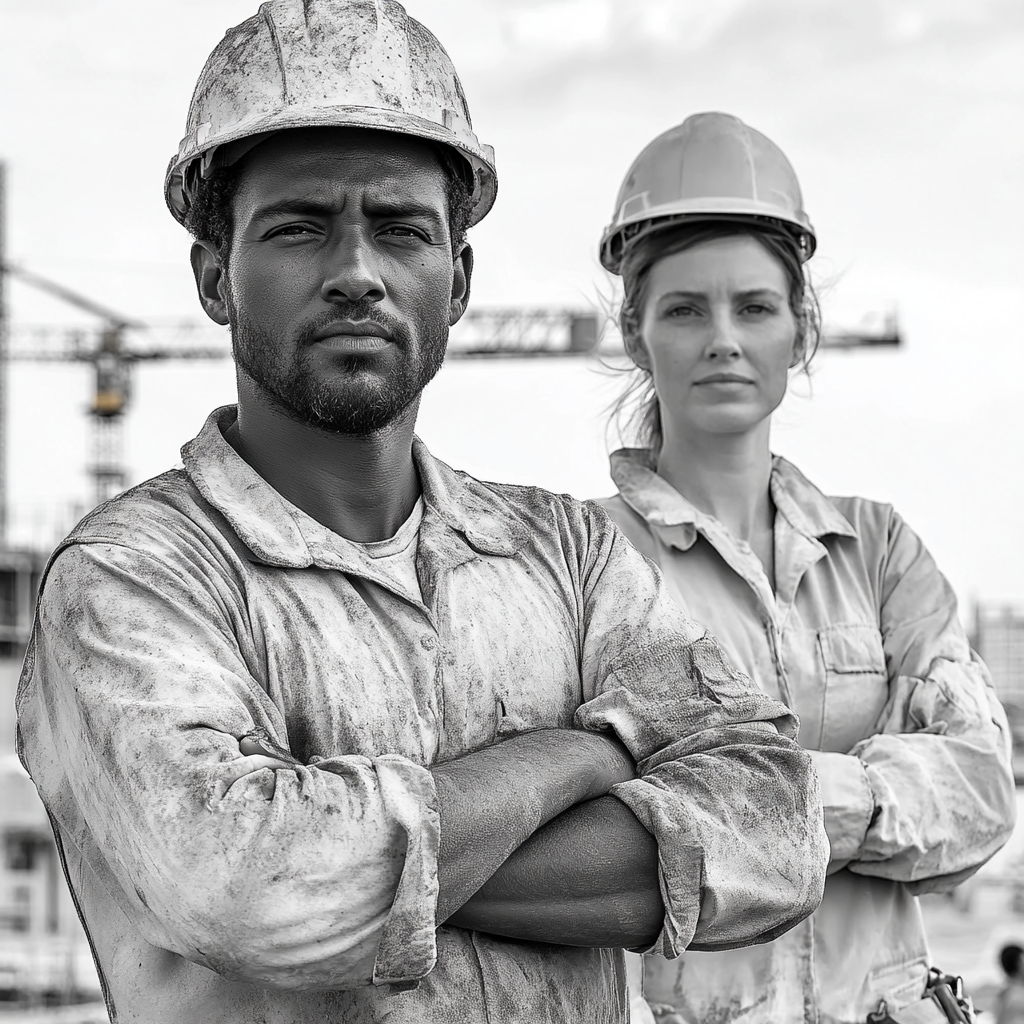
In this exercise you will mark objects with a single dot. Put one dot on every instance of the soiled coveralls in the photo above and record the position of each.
(202, 606)
(861, 639)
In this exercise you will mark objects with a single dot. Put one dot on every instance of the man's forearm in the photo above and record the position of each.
(588, 878)
(495, 799)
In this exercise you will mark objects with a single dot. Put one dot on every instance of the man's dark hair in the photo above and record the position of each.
(208, 217)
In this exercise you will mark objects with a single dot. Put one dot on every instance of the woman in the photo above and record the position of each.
(832, 604)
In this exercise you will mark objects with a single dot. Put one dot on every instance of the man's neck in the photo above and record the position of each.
(361, 487)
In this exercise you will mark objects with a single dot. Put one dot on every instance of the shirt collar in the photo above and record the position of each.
(656, 501)
(805, 507)
(279, 533)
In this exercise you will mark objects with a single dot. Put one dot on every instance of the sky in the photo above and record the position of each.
(903, 119)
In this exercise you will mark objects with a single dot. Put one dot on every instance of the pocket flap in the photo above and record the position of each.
(852, 648)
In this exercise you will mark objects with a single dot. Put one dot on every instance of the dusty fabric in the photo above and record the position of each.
(861, 639)
(201, 607)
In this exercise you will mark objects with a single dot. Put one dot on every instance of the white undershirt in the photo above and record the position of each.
(396, 556)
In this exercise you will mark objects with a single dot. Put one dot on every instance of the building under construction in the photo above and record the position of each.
(44, 955)
(999, 638)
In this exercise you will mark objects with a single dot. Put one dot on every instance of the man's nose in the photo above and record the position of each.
(352, 272)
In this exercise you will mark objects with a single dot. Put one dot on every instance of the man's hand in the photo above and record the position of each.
(493, 800)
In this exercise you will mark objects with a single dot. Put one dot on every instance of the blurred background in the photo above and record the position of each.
(904, 121)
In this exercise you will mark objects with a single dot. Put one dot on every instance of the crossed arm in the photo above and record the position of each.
(929, 797)
(533, 848)
(530, 844)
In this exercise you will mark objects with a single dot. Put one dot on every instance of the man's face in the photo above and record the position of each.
(339, 282)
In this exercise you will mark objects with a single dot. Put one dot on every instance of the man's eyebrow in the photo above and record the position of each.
(387, 206)
(297, 206)
(392, 206)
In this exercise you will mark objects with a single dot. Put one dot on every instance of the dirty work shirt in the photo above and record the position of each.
(201, 606)
(861, 639)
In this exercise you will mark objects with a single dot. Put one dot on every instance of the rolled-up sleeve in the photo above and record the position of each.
(301, 877)
(730, 797)
(939, 773)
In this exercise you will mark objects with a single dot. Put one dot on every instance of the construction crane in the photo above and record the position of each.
(119, 342)
(111, 362)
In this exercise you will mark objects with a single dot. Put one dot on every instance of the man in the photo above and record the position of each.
(1010, 1000)
(328, 731)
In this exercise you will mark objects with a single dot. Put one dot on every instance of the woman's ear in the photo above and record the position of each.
(635, 350)
(799, 344)
(633, 342)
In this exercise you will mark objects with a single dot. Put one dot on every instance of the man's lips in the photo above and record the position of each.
(353, 336)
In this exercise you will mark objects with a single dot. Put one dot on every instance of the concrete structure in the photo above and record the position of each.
(999, 639)
(44, 955)
(19, 582)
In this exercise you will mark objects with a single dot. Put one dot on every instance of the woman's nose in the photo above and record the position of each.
(723, 342)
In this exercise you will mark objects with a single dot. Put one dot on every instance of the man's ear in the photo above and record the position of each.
(461, 281)
(211, 283)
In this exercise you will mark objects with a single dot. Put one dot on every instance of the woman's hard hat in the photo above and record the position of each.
(710, 167)
(326, 63)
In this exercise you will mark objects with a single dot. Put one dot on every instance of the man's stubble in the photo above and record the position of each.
(355, 400)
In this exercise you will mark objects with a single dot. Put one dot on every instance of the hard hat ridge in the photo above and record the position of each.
(326, 63)
(710, 167)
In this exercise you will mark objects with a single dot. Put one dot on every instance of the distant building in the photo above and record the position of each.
(999, 639)
(44, 954)
(20, 572)
(19, 583)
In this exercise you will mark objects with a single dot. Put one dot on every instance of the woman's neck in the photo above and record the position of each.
(726, 476)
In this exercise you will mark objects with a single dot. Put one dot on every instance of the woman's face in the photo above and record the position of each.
(718, 336)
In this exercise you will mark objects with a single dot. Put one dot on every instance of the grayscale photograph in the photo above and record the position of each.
(510, 512)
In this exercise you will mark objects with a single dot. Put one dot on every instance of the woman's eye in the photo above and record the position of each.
(758, 309)
(680, 311)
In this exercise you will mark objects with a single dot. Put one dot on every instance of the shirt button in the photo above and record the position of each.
(427, 642)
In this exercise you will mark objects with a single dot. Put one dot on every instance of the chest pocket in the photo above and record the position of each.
(856, 684)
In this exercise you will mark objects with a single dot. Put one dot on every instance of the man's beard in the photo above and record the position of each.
(351, 401)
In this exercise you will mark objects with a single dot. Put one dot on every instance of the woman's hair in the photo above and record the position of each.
(645, 421)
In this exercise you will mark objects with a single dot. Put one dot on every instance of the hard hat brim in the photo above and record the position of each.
(619, 238)
(481, 160)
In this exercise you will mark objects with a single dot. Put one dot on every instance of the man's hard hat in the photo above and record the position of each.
(710, 167)
(326, 63)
